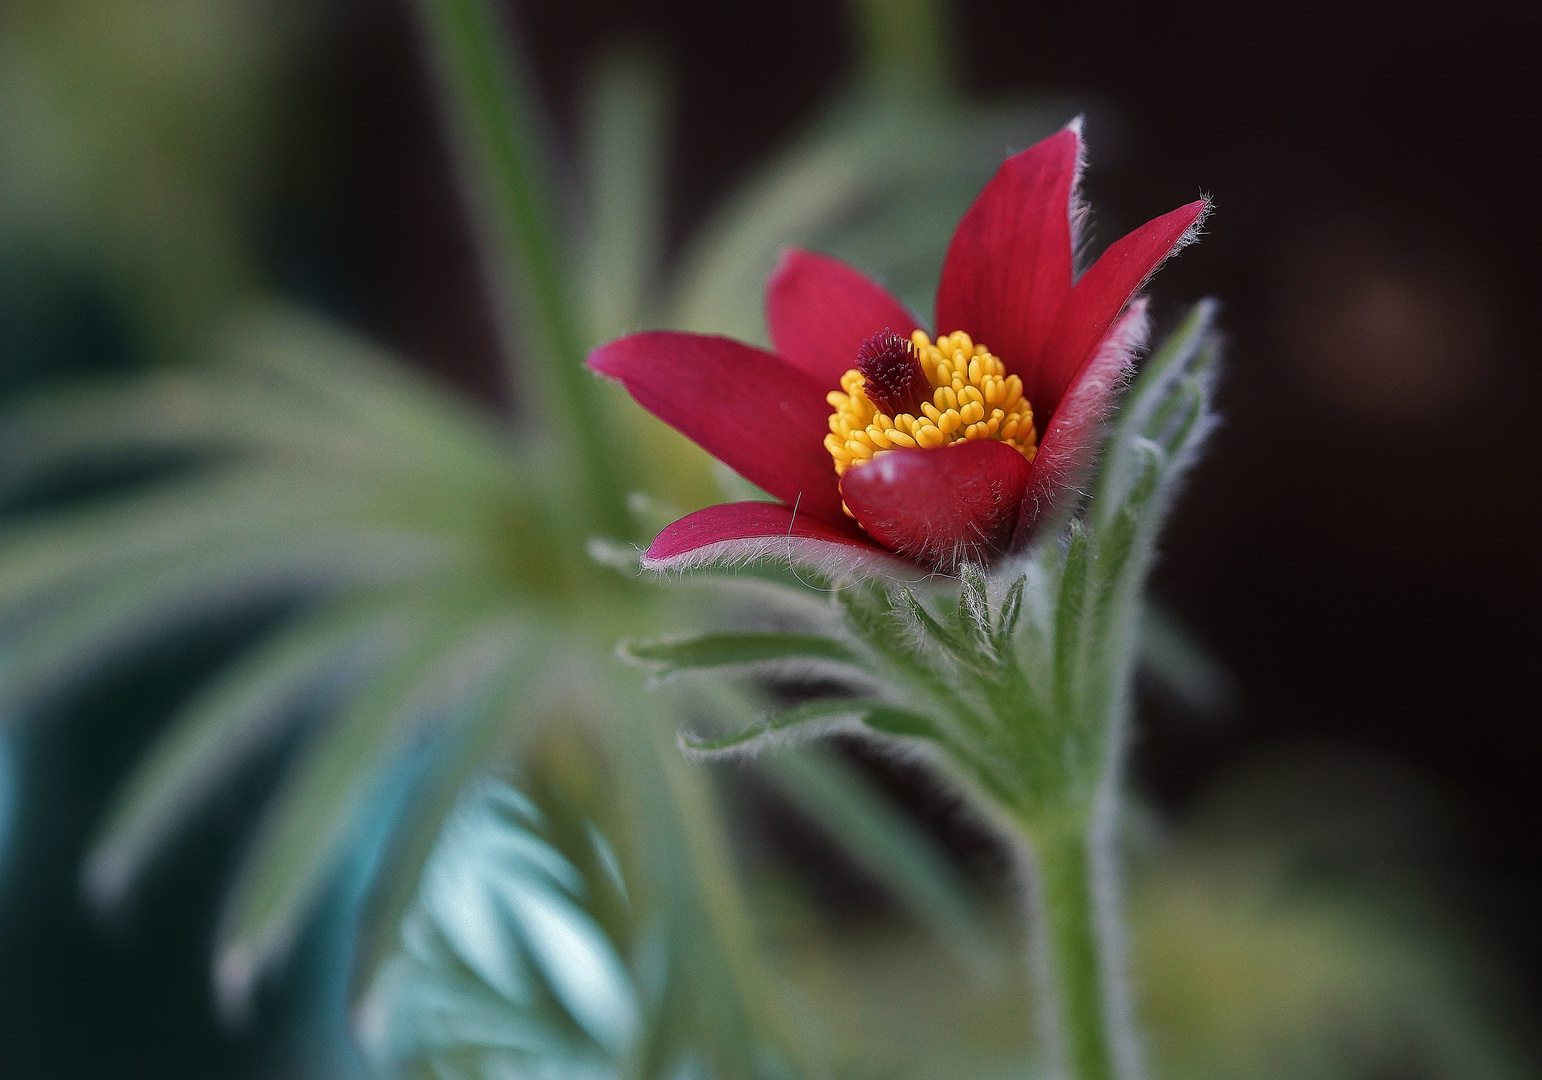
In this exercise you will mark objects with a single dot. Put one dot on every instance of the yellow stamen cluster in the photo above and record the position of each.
(972, 398)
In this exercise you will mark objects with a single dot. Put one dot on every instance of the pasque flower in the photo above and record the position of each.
(881, 442)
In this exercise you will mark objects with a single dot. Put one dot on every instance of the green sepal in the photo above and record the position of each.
(1186, 356)
(1070, 608)
(974, 610)
(1011, 612)
(929, 623)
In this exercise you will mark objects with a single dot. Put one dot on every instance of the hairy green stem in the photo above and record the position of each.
(488, 109)
(1078, 951)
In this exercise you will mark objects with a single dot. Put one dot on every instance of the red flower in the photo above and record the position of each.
(1008, 282)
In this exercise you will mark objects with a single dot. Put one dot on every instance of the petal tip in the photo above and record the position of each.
(603, 360)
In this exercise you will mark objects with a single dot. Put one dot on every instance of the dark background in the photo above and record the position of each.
(1359, 546)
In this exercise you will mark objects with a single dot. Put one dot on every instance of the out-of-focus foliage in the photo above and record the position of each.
(1290, 930)
(535, 946)
(506, 954)
(435, 567)
(1284, 931)
(433, 607)
(7, 798)
(135, 145)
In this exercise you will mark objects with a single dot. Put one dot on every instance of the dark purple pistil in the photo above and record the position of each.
(891, 374)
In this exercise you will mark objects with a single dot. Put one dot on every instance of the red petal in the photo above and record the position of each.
(761, 417)
(940, 507)
(735, 532)
(1103, 290)
(1071, 439)
(820, 311)
(1008, 271)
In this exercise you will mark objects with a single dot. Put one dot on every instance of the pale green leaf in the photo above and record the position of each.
(79, 632)
(469, 742)
(625, 145)
(1070, 617)
(231, 717)
(256, 513)
(666, 657)
(308, 824)
(1158, 389)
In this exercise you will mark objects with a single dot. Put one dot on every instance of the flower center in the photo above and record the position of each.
(907, 394)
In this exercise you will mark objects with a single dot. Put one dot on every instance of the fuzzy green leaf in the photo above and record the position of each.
(725, 650)
(1187, 351)
(932, 626)
(1070, 611)
(974, 606)
(1011, 612)
(812, 719)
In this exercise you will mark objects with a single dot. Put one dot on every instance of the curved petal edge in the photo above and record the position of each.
(1106, 288)
(1071, 440)
(819, 311)
(733, 534)
(1007, 275)
(754, 412)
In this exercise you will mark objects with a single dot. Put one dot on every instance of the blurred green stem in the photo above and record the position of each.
(689, 790)
(488, 108)
(1073, 915)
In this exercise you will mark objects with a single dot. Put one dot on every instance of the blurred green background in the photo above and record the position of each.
(276, 391)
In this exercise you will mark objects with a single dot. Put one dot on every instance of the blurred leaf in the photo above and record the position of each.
(538, 942)
(135, 140)
(885, 842)
(487, 98)
(79, 633)
(246, 706)
(458, 654)
(1284, 932)
(905, 47)
(499, 965)
(1183, 667)
(624, 156)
